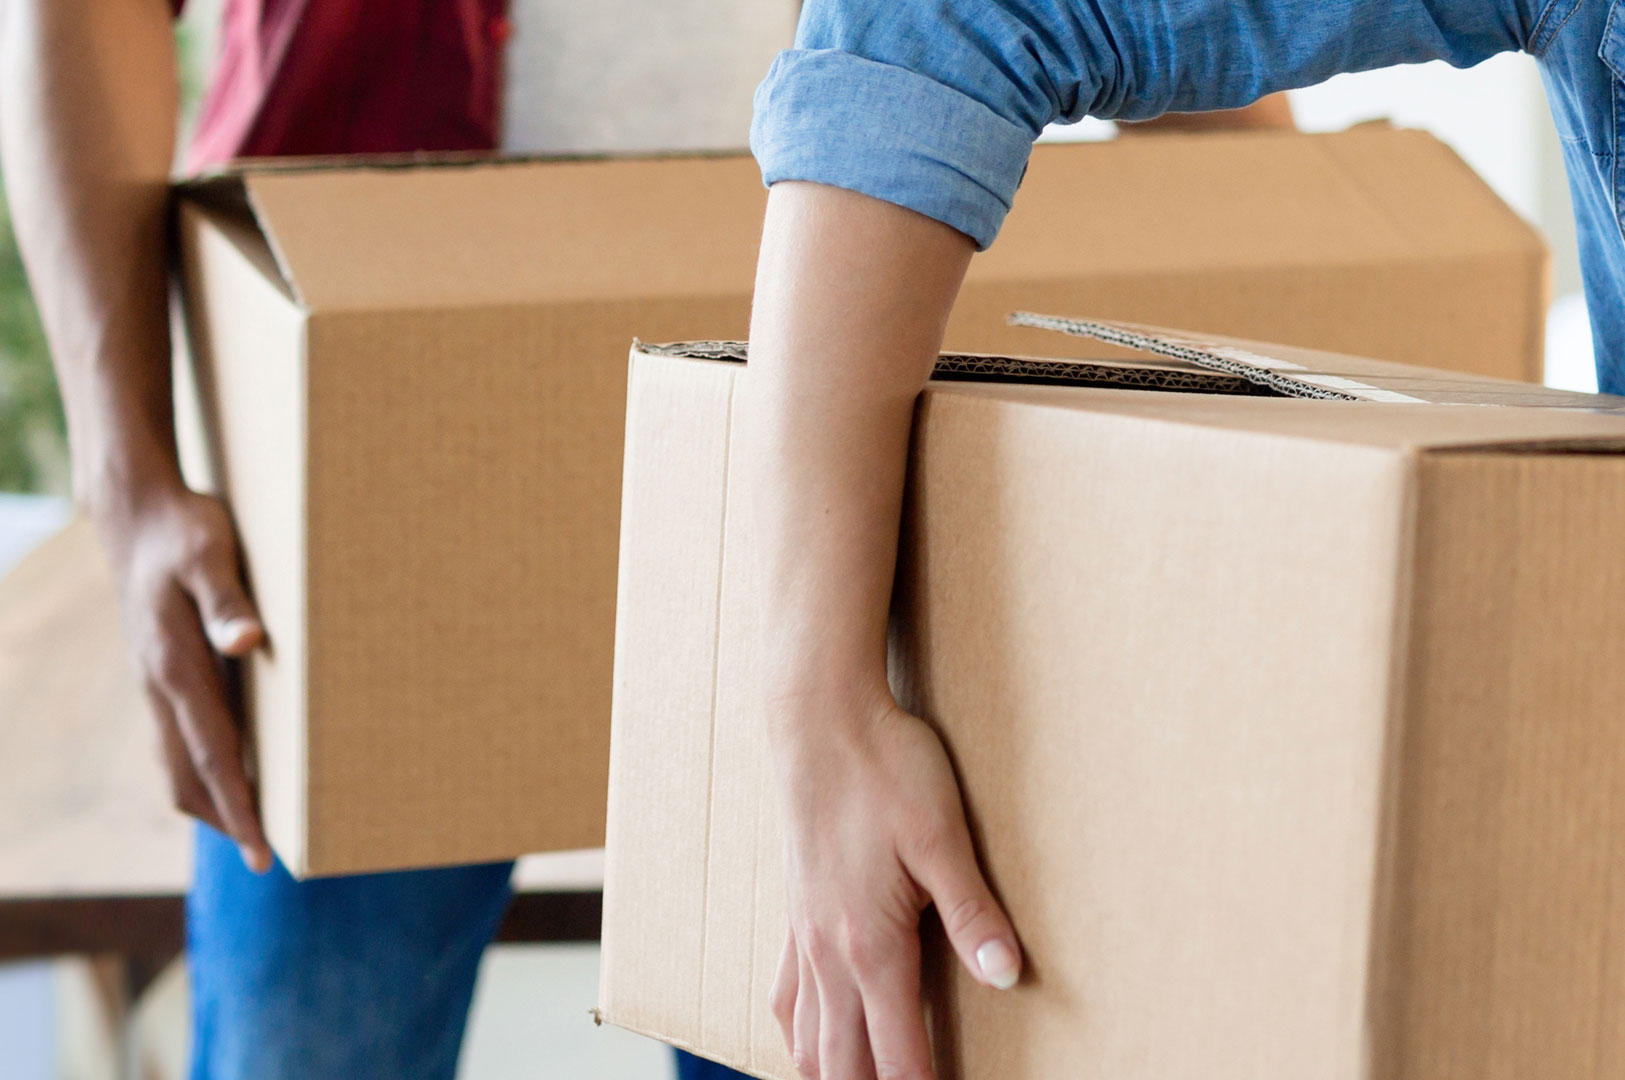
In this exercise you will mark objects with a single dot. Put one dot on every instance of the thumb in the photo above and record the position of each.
(978, 929)
(229, 618)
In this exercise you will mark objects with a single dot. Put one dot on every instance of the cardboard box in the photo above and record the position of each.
(1372, 242)
(413, 388)
(1288, 710)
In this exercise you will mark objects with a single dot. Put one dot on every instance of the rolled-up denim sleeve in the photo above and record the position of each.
(929, 104)
(934, 104)
(841, 119)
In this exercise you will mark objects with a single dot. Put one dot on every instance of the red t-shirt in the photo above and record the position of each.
(298, 77)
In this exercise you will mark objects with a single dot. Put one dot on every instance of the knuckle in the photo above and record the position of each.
(863, 949)
(806, 1062)
(815, 942)
(964, 913)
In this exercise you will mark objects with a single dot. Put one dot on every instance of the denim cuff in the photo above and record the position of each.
(835, 118)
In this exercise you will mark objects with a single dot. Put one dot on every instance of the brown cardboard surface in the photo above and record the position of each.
(1288, 729)
(411, 385)
(425, 474)
(1503, 879)
(1272, 236)
(235, 310)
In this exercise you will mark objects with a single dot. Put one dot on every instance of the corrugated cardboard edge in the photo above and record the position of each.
(438, 159)
(989, 367)
(1217, 366)
(1282, 376)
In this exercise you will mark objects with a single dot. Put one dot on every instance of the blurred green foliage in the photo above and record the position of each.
(33, 440)
(33, 436)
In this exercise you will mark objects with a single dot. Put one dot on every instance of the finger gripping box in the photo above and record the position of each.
(1283, 688)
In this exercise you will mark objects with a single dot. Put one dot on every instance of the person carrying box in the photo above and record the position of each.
(369, 976)
(894, 137)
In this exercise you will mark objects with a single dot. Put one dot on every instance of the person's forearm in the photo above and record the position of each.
(88, 101)
(852, 298)
(88, 95)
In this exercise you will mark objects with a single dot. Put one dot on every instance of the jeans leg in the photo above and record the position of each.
(690, 1067)
(1581, 49)
(335, 979)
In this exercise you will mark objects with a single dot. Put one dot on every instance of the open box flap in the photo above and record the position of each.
(1310, 373)
(371, 235)
(1270, 389)
(1160, 374)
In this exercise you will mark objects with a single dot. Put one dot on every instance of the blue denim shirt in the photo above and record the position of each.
(934, 104)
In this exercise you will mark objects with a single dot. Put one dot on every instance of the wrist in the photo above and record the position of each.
(115, 489)
(122, 439)
(805, 710)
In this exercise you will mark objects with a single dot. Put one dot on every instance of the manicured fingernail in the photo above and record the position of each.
(999, 963)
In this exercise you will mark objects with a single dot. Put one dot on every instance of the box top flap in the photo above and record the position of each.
(456, 232)
(459, 229)
(1270, 389)
(1158, 374)
(1312, 373)
(1187, 205)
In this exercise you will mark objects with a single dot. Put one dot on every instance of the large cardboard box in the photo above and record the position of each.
(412, 388)
(1284, 688)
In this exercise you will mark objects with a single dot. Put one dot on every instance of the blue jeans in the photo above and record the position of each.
(339, 979)
(934, 104)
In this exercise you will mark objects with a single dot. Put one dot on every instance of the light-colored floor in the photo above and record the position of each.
(530, 1020)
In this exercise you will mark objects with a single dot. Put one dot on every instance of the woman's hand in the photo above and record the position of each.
(875, 831)
(852, 298)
